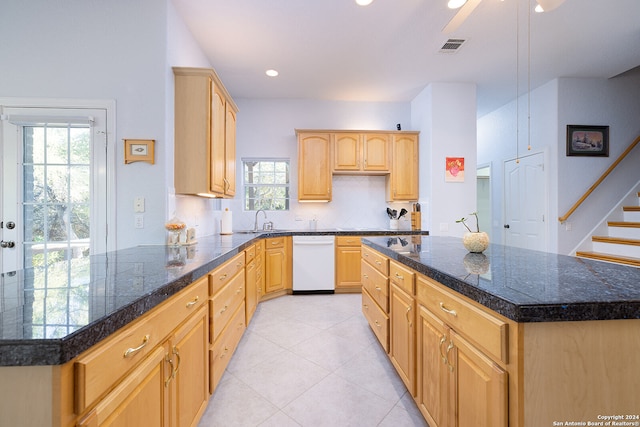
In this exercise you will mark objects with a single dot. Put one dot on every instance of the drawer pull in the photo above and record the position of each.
(378, 324)
(274, 243)
(365, 276)
(378, 262)
(224, 309)
(224, 276)
(442, 355)
(224, 353)
(133, 350)
(194, 302)
(239, 290)
(366, 306)
(446, 310)
(366, 255)
(378, 288)
(399, 277)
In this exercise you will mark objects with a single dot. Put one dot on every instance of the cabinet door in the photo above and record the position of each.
(314, 167)
(348, 267)
(402, 345)
(481, 388)
(190, 370)
(217, 159)
(230, 151)
(346, 152)
(275, 272)
(141, 399)
(432, 373)
(251, 300)
(376, 152)
(403, 179)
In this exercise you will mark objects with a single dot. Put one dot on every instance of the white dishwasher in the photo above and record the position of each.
(313, 264)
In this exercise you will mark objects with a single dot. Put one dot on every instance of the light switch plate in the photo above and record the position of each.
(138, 205)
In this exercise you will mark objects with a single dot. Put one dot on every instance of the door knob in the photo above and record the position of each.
(11, 225)
(8, 244)
(506, 226)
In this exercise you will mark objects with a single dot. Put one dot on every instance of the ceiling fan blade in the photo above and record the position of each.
(461, 16)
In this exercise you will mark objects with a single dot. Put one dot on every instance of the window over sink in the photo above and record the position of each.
(266, 184)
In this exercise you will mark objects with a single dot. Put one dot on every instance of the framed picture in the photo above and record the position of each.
(454, 169)
(587, 140)
(139, 150)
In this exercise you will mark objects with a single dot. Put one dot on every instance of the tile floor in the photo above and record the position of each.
(310, 360)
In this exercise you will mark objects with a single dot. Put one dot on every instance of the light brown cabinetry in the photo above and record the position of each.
(205, 131)
(402, 182)
(355, 152)
(277, 260)
(314, 167)
(375, 293)
(459, 384)
(402, 315)
(348, 257)
(227, 314)
(252, 293)
(152, 371)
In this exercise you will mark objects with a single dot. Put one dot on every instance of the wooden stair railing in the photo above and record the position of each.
(564, 217)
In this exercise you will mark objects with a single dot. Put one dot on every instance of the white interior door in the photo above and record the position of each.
(525, 202)
(53, 184)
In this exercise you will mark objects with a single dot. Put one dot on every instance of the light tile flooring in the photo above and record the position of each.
(310, 360)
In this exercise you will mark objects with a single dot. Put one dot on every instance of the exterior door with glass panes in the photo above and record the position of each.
(53, 193)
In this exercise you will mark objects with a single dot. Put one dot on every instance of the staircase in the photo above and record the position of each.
(621, 245)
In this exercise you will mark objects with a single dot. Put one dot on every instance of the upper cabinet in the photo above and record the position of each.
(205, 134)
(322, 153)
(355, 152)
(314, 167)
(402, 182)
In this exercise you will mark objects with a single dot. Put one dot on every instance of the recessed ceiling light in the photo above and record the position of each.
(271, 73)
(456, 4)
(364, 2)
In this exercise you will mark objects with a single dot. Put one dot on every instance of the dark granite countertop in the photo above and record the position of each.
(520, 284)
(50, 315)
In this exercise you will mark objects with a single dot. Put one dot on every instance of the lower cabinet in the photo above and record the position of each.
(277, 261)
(402, 343)
(151, 373)
(348, 264)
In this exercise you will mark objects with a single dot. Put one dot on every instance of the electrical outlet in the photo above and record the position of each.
(567, 226)
(444, 226)
(138, 204)
(139, 221)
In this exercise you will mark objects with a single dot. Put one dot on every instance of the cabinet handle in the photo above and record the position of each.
(194, 302)
(224, 276)
(366, 306)
(239, 264)
(399, 277)
(274, 243)
(170, 377)
(133, 350)
(378, 262)
(377, 324)
(177, 354)
(365, 276)
(449, 311)
(366, 255)
(378, 288)
(442, 355)
(449, 347)
(224, 309)
(239, 290)
(224, 353)
(227, 184)
(407, 315)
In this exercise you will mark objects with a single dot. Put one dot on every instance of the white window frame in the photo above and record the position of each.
(246, 184)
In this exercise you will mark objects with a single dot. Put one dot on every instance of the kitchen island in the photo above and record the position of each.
(510, 337)
(107, 292)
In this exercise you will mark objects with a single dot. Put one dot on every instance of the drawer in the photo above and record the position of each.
(402, 276)
(225, 303)
(101, 367)
(466, 318)
(223, 349)
(378, 320)
(376, 284)
(376, 259)
(221, 275)
(249, 254)
(347, 241)
(274, 242)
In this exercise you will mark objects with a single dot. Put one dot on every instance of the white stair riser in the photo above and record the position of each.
(617, 249)
(631, 216)
(624, 232)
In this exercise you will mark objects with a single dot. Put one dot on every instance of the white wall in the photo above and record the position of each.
(98, 50)
(266, 128)
(445, 113)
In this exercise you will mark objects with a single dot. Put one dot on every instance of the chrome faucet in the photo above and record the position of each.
(255, 224)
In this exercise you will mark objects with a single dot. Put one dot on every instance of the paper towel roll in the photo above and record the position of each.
(227, 222)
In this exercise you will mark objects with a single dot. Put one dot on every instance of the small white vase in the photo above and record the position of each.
(476, 242)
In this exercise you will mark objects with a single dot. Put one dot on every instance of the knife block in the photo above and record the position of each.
(416, 220)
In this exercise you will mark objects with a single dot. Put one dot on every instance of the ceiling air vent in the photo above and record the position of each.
(452, 45)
